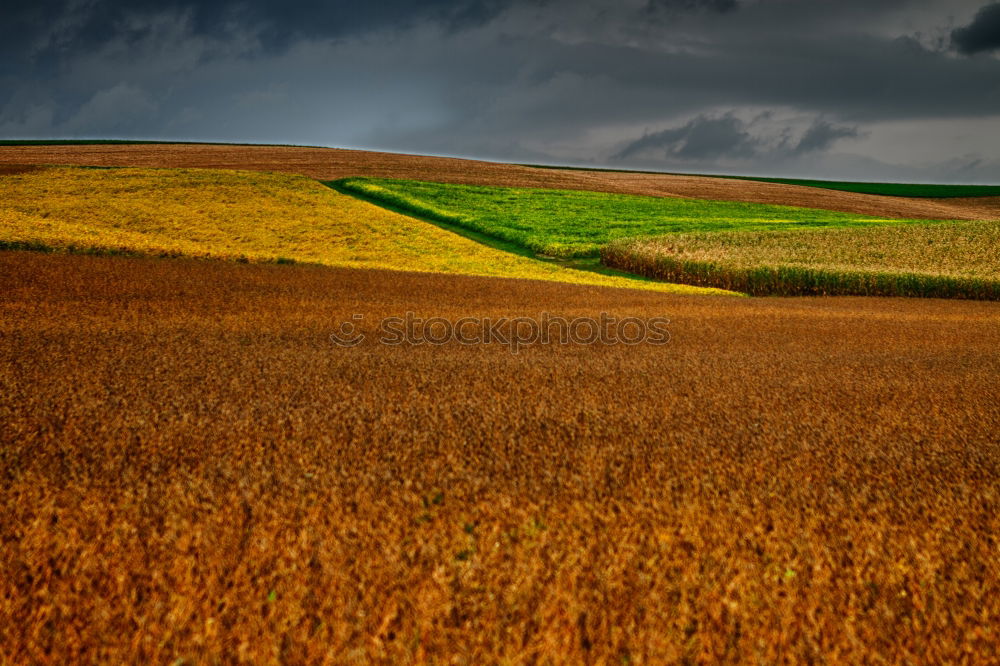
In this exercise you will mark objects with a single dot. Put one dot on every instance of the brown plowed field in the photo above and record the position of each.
(330, 163)
(191, 470)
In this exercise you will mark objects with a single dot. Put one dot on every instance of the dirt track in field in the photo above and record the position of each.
(329, 163)
(192, 470)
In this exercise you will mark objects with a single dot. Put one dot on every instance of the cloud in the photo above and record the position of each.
(120, 110)
(704, 137)
(821, 135)
(40, 26)
(983, 34)
(33, 120)
(571, 81)
(674, 6)
(728, 137)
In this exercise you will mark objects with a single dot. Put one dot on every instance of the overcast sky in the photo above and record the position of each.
(861, 89)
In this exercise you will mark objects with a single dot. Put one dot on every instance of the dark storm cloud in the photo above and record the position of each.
(671, 6)
(69, 25)
(821, 135)
(706, 138)
(41, 39)
(701, 138)
(524, 80)
(857, 77)
(983, 34)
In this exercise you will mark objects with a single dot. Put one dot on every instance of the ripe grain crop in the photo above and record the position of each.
(945, 260)
(191, 471)
(247, 216)
(566, 223)
(332, 164)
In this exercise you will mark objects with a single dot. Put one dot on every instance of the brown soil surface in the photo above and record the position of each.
(191, 470)
(329, 163)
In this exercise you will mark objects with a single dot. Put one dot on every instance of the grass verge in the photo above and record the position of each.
(954, 260)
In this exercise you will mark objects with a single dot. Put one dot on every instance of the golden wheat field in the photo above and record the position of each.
(248, 216)
(957, 259)
(954, 249)
(193, 473)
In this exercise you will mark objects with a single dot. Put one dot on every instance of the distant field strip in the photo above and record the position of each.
(565, 223)
(950, 260)
(891, 189)
(246, 216)
(917, 190)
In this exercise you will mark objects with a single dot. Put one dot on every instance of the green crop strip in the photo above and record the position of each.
(572, 224)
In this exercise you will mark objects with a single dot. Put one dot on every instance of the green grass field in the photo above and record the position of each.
(952, 260)
(564, 223)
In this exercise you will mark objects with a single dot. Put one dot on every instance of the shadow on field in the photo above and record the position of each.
(588, 264)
